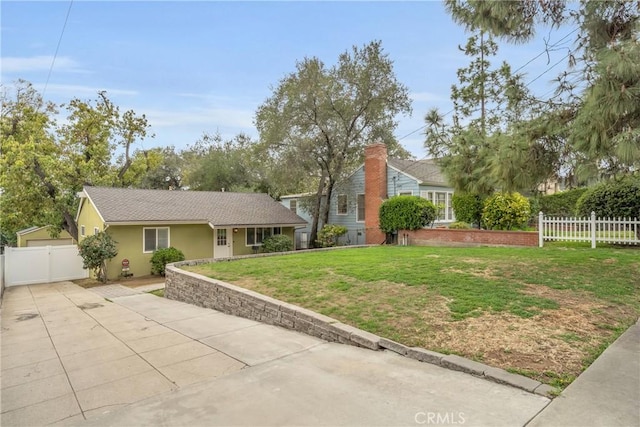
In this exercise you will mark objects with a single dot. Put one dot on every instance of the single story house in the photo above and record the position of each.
(355, 202)
(202, 224)
(41, 236)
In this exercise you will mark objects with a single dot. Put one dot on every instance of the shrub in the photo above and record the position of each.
(467, 207)
(460, 225)
(406, 213)
(277, 243)
(162, 257)
(505, 211)
(95, 251)
(329, 235)
(561, 204)
(612, 199)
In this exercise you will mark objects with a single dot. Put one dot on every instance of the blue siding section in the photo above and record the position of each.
(302, 213)
(351, 187)
(399, 182)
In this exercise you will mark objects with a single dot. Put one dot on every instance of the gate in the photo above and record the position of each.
(28, 266)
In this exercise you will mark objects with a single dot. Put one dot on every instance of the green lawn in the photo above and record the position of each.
(546, 313)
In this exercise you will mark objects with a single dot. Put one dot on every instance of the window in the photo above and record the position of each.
(360, 210)
(82, 231)
(96, 230)
(255, 236)
(405, 193)
(221, 237)
(342, 204)
(293, 205)
(442, 200)
(155, 238)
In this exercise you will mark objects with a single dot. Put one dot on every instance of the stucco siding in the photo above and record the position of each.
(194, 240)
(90, 219)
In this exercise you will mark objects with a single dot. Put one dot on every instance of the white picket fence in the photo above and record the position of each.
(42, 264)
(625, 231)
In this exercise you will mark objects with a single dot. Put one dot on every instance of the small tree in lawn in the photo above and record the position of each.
(406, 213)
(95, 251)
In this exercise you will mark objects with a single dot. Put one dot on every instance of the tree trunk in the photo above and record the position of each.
(70, 225)
(315, 214)
(327, 207)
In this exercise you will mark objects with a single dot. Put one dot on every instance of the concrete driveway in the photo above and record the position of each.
(72, 357)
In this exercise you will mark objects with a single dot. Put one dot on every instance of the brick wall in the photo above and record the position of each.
(375, 189)
(479, 237)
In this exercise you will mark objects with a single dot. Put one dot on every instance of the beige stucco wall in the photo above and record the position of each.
(194, 240)
(43, 235)
(88, 218)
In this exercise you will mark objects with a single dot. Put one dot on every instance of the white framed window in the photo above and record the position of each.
(342, 204)
(82, 231)
(221, 236)
(255, 236)
(360, 208)
(155, 238)
(442, 200)
(96, 230)
(293, 206)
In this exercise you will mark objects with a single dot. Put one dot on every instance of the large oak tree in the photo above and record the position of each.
(314, 126)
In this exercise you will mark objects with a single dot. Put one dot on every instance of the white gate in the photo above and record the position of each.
(28, 266)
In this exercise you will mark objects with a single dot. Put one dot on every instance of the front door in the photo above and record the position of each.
(223, 245)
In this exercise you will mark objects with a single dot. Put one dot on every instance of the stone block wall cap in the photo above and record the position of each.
(393, 346)
(503, 377)
(458, 363)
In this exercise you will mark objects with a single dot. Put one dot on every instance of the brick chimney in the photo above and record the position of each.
(375, 190)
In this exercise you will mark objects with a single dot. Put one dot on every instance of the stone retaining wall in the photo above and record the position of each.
(196, 289)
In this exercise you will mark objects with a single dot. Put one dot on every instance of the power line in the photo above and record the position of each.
(55, 55)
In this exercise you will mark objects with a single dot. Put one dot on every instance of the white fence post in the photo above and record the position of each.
(540, 229)
(593, 230)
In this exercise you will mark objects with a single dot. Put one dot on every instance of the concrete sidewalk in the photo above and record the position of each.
(70, 356)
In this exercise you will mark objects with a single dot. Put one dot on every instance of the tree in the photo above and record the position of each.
(318, 120)
(592, 119)
(44, 164)
(406, 213)
(223, 165)
(95, 251)
(482, 100)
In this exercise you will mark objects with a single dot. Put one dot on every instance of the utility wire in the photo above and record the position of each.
(55, 55)
(518, 69)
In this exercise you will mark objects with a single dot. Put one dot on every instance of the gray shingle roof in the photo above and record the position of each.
(136, 205)
(425, 170)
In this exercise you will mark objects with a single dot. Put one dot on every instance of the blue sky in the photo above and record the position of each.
(195, 67)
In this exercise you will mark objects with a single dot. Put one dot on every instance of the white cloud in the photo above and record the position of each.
(425, 97)
(219, 117)
(15, 64)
